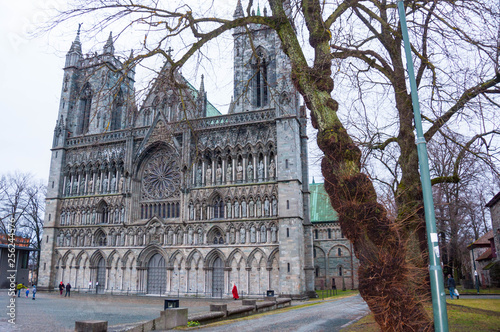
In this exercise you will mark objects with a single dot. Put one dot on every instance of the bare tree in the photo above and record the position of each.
(357, 44)
(23, 200)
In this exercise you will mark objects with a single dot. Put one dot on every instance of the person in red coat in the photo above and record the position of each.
(235, 292)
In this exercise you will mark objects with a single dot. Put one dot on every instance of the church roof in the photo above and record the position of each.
(320, 208)
(211, 110)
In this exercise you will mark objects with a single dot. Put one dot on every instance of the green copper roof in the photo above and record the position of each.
(321, 209)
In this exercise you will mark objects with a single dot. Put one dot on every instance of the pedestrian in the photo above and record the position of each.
(96, 286)
(61, 288)
(19, 288)
(90, 286)
(451, 285)
(34, 291)
(27, 292)
(235, 292)
(68, 290)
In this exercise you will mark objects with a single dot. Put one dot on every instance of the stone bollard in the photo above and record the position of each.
(91, 326)
(174, 317)
(219, 308)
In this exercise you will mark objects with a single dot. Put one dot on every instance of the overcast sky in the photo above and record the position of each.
(30, 84)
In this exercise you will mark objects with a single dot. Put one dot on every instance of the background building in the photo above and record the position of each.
(334, 261)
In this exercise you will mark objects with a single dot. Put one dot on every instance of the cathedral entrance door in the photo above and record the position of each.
(218, 278)
(157, 275)
(101, 276)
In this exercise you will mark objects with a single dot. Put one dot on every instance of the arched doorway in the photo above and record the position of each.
(218, 278)
(157, 275)
(101, 276)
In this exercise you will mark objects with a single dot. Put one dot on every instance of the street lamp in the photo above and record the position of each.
(475, 271)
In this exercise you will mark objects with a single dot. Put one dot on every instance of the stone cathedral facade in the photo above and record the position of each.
(173, 197)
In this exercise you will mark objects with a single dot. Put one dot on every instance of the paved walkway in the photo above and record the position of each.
(330, 315)
(55, 313)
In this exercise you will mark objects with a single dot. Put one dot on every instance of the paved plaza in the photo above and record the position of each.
(52, 312)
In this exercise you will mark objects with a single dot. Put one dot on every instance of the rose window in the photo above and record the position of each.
(161, 178)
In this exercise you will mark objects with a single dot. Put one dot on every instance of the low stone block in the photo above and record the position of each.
(249, 302)
(270, 298)
(174, 317)
(219, 307)
(91, 326)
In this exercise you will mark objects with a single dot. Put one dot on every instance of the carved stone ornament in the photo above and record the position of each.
(161, 177)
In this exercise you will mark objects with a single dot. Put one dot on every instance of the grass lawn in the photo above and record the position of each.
(463, 315)
(330, 293)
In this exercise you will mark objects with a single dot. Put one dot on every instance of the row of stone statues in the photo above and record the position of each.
(242, 235)
(250, 173)
(74, 187)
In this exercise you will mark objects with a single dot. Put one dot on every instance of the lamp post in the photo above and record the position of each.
(435, 270)
(475, 271)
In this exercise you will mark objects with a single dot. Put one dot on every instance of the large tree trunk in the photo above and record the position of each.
(382, 246)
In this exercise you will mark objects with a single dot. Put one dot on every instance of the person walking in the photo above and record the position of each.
(68, 290)
(451, 285)
(61, 288)
(235, 292)
(34, 291)
(27, 292)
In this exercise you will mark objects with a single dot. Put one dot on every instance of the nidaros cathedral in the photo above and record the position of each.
(175, 197)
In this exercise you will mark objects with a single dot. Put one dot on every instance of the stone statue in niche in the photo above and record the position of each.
(98, 185)
(120, 184)
(236, 209)
(191, 211)
(259, 208)
(273, 233)
(243, 209)
(232, 238)
(190, 236)
(208, 176)
(218, 174)
(263, 234)
(239, 172)
(105, 185)
(229, 173)
(228, 209)
(251, 208)
(82, 186)
(266, 207)
(252, 234)
(260, 171)
(68, 188)
(113, 184)
(200, 236)
(90, 186)
(272, 169)
(75, 188)
(242, 235)
(275, 206)
(250, 171)
(198, 176)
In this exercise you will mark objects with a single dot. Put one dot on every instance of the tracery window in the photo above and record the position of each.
(260, 80)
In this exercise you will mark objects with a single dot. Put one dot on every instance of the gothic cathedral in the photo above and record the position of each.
(173, 197)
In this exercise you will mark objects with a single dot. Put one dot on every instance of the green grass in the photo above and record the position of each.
(463, 315)
(329, 293)
(462, 290)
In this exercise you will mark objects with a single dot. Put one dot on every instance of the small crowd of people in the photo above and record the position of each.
(20, 288)
(67, 288)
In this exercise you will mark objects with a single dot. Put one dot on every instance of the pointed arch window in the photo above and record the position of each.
(218, 208)
(85, 106)
(102, 210)
(260, 80)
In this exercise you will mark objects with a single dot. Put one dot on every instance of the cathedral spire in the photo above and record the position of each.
(238, 13)
(109, 48)
(202, 85)
(75, 52)
(76, 46)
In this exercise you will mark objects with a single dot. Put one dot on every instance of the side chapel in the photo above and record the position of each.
(175, 197)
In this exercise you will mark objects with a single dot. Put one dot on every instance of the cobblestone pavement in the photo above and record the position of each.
(51, 312)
